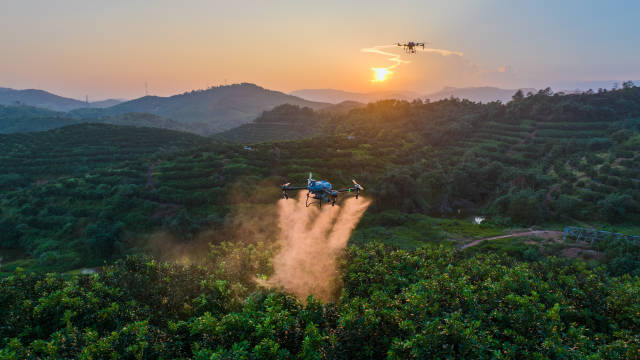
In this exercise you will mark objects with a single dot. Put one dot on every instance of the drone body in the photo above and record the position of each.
(320, 191)
(410, 47)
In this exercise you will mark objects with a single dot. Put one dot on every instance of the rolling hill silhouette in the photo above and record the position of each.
(47, 100)
(207, 111)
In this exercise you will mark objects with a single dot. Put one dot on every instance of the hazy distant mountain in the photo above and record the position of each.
(47, 100)
(478, 94)
(482, 94)
(337, 96)
(104, 103)
(580, 86)
(209, 111)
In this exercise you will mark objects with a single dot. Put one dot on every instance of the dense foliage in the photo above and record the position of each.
(71, 195)
(396, 304)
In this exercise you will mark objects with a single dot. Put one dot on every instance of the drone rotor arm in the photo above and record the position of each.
(287, 188)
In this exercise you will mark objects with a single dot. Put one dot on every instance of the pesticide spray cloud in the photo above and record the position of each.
(311, 239)
(382, 73)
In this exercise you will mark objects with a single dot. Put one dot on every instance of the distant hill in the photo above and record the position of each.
(207, 111)
(285, 122)
(47, 100)
(145, 120)
(342, 108)
(580, 86)
(337, 96)
(482, 94)
(104, 103)
(477, 94)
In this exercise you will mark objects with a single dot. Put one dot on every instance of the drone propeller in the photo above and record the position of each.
(357, 186)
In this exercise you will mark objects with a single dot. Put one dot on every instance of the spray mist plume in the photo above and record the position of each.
(310, 241)
(297, 247)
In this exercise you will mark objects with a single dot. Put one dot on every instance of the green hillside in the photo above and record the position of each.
(89, 194)
(441, 159)
(573, 156)
(24, 118)
(59, 185)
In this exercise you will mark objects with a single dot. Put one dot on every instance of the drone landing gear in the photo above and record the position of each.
(309, 203)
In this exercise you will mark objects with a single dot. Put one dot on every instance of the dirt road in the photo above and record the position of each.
(546, 234)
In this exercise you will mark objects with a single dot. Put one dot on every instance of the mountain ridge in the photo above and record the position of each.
(212, 110)
(48, 100)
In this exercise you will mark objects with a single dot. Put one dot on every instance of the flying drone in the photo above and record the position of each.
(410, 47)
(320, 191)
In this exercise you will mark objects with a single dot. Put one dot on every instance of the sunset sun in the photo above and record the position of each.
(380, 74)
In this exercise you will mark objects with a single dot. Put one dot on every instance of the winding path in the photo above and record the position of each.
(548, 234)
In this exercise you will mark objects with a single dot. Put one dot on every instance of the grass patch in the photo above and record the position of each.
(408, 231)
(456, 228)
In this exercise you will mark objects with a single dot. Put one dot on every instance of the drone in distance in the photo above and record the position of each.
(410, 47)
(320, 191)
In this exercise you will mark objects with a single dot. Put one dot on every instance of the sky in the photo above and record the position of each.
(110, 49)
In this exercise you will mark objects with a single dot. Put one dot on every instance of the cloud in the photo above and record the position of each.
(503, 75)
(442, 52)
(397, 59)
(505, 69)
(382, 73)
